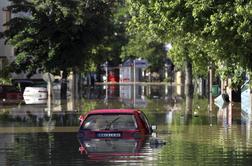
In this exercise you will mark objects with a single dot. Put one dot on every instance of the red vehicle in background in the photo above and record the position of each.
(113, 132)
(9, 93)
(113, 76)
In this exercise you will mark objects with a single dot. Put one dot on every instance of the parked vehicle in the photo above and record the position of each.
(9, 93)
(37, 92)
(34, 100)
(125, 129)
(22, 83)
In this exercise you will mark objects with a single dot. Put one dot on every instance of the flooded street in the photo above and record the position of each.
(46, 134)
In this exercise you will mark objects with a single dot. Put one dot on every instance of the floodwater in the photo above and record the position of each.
(46, 133)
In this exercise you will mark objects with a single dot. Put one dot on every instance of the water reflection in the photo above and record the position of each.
(246, 127)
(46, 134)
(133, 96)
(47, 115)
(224, 115)
(111, 149)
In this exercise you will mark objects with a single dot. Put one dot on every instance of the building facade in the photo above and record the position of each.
(7, 54)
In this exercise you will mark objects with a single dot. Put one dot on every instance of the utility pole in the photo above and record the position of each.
(210, 68)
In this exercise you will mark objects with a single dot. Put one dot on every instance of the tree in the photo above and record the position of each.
(224, 34)
(141, 46)
(201, 32)
(56, 35)
(167, 22)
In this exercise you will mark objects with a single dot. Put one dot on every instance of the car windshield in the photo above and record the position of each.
(110, 122)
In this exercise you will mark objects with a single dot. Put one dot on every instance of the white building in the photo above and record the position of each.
(132, 70)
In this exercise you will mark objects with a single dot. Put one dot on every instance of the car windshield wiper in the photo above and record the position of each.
(109, 124)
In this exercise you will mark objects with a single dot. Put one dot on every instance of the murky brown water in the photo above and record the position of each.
(43, 134)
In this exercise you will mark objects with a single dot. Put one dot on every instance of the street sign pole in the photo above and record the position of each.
(49, 78)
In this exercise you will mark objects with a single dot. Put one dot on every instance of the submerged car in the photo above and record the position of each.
(35, 95)
(39, 92)
(115, 123)
(109, 132)
(10, 92)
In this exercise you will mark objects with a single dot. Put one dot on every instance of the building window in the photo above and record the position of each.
(6, 17)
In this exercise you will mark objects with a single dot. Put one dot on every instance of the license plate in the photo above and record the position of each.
(108, 135)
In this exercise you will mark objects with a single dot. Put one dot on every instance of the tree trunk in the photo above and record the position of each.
(188, 79)
(188, 84)
(63, 90)
(75, 84)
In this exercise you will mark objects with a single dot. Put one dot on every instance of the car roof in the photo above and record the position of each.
(111, 111)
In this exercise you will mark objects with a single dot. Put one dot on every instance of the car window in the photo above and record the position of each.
(110, 122)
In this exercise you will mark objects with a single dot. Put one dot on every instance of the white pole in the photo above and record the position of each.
(106, 68)
(134, 65)
(210, 88)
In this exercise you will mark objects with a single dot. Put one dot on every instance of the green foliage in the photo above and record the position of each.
(58, 35)
(141, 44)
(88, 106)
(203, 31)
(118, 38)
(235, 72)
(5, 80)
(5, 76)
(170, 22)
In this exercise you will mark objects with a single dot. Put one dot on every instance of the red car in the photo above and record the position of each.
(113, 132)
(115, 123)
(9, 92)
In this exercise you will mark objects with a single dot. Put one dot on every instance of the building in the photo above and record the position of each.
(132, 70)
(7, 54)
